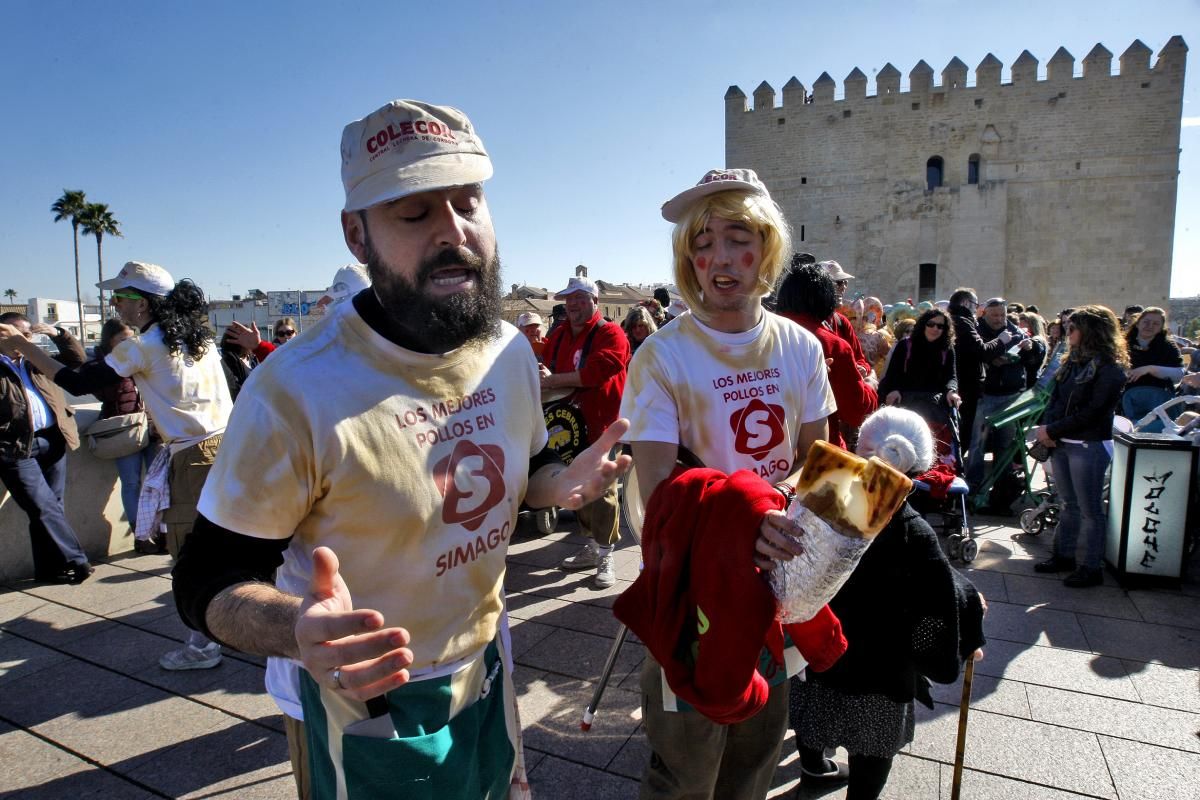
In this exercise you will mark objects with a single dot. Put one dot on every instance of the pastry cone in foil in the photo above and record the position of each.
(842, 502)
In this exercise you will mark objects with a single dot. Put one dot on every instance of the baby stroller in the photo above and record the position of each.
(952, 505)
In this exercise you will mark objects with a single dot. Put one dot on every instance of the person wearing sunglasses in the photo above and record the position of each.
(285, 329)
(176, 367)
(921, 374)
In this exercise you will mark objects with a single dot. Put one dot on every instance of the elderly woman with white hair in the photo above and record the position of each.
(909, 618)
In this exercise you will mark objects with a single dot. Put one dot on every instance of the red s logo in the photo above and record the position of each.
(758, 428)
(471, 479)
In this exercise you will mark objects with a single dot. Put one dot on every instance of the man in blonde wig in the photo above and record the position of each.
(741, 388)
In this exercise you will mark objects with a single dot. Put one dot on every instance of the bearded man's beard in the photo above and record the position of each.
(440, 324)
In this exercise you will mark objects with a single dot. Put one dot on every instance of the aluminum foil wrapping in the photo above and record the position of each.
(811, 579)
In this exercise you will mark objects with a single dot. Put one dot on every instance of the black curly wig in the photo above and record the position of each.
(182, 316)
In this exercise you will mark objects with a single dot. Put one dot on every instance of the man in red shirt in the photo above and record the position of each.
(588, 355)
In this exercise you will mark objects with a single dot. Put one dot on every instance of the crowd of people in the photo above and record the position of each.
(355, 533)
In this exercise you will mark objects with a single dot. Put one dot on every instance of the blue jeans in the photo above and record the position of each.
(1138, 401)
(1079, 481)
(37, 484)
(997, 442)
(130, 469)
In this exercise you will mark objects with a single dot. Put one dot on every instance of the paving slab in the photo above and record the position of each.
(1119, 718)
(561, 614)
(991, 584)
(1142, 641)
(579, 655)
(124, 648)
(239, 758)
(1165, 607)
(56, 625)
(1043, 626)
(552, 706)
(526, 634)
(144, 727)
(1145, 772)
(20, 657)
(68, 691)
(96, 594)
(234, 687)
(557, 777)
(14, 605)
(984, 786)
(1017, 748)
(987, 694)
(632, 758)
(1045, 591)
(1169, 687)
(37, 770)
(1062, 669)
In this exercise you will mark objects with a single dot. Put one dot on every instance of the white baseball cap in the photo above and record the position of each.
(347, 282)
(407, 147)
(146, 278)
(835, 270)
(578, 284)
(529, 318)
(715, 180)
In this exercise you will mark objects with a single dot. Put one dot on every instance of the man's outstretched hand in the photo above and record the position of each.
(587, 477)
(343, 649)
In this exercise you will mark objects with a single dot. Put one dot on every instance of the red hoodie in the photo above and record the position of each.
(700, 604)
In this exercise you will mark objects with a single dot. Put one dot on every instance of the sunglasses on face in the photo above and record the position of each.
(938, 325)
(285, 332)
(127, 295)
(1071, 327)
(841, 284)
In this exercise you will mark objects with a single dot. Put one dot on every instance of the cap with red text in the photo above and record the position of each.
(407, 147)
(715, 180)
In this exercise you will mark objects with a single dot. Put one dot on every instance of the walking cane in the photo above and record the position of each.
(961, 746)
(589, 713)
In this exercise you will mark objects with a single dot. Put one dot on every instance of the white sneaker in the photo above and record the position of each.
(587, 557)
(606, 574)
(189, 657)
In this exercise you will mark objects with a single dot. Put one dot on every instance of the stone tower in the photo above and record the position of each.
(1056, 190)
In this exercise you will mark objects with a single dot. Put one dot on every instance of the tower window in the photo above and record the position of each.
(973, 168)
(933, 173)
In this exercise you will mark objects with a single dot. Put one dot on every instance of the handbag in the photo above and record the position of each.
(117, 436)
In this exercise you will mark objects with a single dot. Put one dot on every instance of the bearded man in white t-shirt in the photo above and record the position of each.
(741, 388)
(409, 458)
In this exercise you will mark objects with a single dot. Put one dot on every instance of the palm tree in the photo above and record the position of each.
(11, 294)
(96, 220)
(69, 207)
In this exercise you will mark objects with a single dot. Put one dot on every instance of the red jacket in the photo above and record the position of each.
(602, 373)
(856, 400)
(700, 604)
(845, 331)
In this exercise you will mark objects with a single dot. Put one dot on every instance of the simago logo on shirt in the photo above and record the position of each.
(758, 428)
(471, 481)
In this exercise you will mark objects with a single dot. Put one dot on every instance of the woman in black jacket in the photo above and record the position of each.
(1156, 366)
(921, 374)
(1078, 426)
(909, 618)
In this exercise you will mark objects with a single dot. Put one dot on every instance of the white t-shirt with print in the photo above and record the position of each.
(736, 400)
(411, 467)
(188, 399)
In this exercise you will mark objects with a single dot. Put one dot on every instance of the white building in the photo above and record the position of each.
(65, 314)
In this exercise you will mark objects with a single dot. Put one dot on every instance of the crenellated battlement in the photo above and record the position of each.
(1134, 64)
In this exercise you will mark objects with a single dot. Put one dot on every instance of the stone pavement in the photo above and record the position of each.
(1083, 693)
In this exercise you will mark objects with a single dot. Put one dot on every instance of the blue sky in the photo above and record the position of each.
(212, 129)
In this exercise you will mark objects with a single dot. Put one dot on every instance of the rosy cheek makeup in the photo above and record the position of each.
(701, 262)
(747, 259)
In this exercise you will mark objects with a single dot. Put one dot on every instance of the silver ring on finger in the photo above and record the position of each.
(337, 679)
